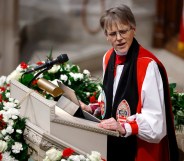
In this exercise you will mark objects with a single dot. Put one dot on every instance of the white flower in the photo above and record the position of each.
(19, 68)
(86, 72)
(17, 147)
(10, 122)
(11, 99)
(14, 113)
(180, 94)
(76, 76)
(9, 129)
(8, 105)
(82, 157)
(14, 117)
(99, 87)
(14, 75)
(69, 83)
(3, 146)
(16, 101)
(54, 69)
(1, 136)
(2, 112)
(74, 158)
(7, 157)
(77, 158)
(87, 94)
(8, 94)
(10, 113)
(3, 132)
(63, 159)
(53, 154)
(95, 156)
(6, 116)
(67, 67)
(75, 66)
(19, 131)
(64, 77)
(2, 80)
(46, 159)
(7, 137)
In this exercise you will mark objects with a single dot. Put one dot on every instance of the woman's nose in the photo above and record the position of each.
(118, 36)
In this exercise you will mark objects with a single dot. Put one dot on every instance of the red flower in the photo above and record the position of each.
(2, 123)
(103, 159)
(67, 152)
(1, 97)
(23, 65)
(2, 89)
(1, 117)
(1, 157)
(92, 99)
(39, 63)
(34, 82)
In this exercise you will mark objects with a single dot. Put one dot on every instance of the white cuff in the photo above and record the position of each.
(128, 129)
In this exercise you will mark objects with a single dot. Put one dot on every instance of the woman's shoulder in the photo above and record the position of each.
(145, 54)
(107, 55)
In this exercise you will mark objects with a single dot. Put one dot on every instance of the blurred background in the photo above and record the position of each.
(30, 28)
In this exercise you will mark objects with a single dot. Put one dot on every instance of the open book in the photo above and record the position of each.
(70, 103)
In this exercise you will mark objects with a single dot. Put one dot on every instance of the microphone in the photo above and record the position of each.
(49, 63)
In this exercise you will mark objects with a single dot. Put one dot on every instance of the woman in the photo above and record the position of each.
(136, 95)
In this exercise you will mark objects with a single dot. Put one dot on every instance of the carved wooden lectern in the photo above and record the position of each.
(48, 125)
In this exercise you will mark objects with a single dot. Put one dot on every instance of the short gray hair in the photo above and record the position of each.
(119, 14)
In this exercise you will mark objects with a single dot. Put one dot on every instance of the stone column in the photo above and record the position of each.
(8, 36)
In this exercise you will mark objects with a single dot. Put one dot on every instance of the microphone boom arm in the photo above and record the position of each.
(47, 68)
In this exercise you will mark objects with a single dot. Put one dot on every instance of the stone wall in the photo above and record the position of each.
(60, 20)
(9, 38)
(58, 24)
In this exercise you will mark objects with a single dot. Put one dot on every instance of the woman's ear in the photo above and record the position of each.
(134, 29)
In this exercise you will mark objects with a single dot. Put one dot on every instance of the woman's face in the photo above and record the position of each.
(120, 36)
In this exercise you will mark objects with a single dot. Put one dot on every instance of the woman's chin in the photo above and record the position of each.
(122, 50)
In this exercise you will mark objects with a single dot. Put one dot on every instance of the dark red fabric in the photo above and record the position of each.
(166, 149)
(145, 150)
(152, 152)
(134, 127)
(120, 59)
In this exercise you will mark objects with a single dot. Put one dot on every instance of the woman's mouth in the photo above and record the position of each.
(121, 44)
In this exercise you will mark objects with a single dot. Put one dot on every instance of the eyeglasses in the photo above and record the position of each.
(122, 33)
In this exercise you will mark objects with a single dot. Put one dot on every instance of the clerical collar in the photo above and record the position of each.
(120, 53)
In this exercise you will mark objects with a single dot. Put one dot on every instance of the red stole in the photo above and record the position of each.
(120, 59)
(145, 150)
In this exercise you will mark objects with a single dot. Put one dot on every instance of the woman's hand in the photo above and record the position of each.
(85, 107)
(112, 124)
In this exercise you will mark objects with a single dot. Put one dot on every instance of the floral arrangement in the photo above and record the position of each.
(68, 155)
(12, 144)
(86, 87)
(177, 99)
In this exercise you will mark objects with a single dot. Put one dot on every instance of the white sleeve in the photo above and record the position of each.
(151, 121)
(103, 65)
